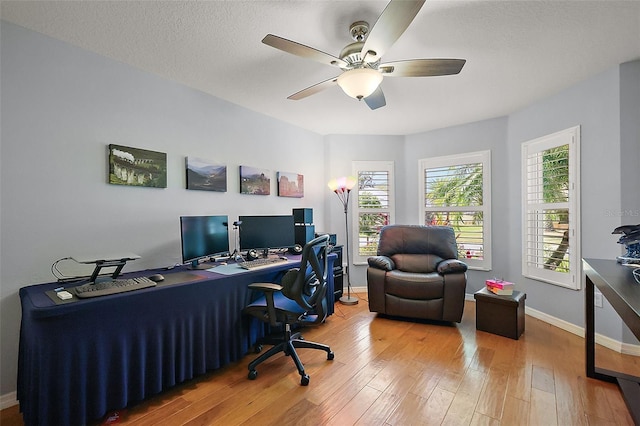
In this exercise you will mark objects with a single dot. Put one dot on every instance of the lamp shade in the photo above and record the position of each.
(341, 184)
(360, 82)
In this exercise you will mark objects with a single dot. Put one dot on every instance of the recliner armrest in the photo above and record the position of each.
(381, 262)
(450, 266)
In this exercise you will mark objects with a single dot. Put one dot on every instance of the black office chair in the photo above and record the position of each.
(297, 301)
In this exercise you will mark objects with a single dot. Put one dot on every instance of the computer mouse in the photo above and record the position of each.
(156, 277)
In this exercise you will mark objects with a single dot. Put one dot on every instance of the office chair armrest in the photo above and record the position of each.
(381, 262)
(450, 266)
(266, 287)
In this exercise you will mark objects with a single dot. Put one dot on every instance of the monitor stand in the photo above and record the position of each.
(119, 264)
(195, 265)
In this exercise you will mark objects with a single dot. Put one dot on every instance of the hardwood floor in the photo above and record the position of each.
(394, 372)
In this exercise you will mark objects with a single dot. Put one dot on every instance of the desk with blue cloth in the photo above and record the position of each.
(80, 360)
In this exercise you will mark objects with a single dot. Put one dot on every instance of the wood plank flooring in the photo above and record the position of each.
(395, 372)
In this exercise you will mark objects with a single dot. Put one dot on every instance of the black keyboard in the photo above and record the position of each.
(261, 263)
(112, 287)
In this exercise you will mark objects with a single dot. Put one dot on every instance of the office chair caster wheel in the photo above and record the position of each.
(304, 380)
(257, 349)
(252, 375)
(330, 355)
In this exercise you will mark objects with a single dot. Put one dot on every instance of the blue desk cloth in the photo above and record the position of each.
(78, 361)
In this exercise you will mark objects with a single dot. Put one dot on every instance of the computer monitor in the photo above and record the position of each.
(266, 232)
(202, 237)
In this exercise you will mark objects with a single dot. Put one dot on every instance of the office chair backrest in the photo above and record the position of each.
(308, 284)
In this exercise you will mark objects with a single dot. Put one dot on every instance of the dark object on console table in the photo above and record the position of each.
(631, 240)
(417, 273)
(501, 315)
(617, 285)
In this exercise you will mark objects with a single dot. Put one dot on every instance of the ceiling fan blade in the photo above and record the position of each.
(312, 90)
(301, 50)
(422, 67)
(376, 99)
(393, 21)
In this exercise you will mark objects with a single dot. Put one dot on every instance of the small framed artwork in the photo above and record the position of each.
(137, 167)
(254, 181)
(204, 175)
(290, 185)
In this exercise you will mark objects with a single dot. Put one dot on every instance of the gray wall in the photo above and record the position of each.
(61, 106)
(594, 105)
(629, 149)
(607, 109)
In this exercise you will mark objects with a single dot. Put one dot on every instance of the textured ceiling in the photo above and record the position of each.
(517, 52)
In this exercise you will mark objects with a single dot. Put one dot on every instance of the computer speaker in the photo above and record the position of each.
(252, 254)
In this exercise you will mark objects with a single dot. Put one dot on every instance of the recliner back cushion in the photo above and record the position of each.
(418, 239)
(421, 263)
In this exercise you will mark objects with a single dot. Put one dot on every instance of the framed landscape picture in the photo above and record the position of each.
(206, 175)
(137, 167)
(254, 181)
(290, 185)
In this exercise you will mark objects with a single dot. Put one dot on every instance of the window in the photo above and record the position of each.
(550, 220)
(456, 191)
(374, 206)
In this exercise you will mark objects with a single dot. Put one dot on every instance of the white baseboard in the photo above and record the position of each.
(607, 342)
(8, 400)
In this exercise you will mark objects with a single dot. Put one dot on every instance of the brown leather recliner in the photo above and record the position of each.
(417, 273)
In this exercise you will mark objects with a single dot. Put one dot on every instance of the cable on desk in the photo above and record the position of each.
(60, 276)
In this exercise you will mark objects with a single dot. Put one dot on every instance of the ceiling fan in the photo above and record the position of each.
(360, 61)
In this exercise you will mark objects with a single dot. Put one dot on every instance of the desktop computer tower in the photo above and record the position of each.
(304, 233)
(303, 223)
(338, 274)
(303, 216)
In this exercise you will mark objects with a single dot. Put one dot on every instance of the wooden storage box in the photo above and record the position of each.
(502, 315)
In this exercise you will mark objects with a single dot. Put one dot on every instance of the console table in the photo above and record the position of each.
(78, 361)
(617, 284)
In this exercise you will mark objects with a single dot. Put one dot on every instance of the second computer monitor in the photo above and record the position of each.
(266, 232)
(203, 237)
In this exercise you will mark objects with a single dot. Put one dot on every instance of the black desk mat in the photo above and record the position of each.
(169, 279)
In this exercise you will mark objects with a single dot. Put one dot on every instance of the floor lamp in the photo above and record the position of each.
(342, 187)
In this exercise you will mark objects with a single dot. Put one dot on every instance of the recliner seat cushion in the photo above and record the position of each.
(415, 286)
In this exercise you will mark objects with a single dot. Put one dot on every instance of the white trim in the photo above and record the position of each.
(8, 400)
(571, 137)
(601, 339)
(607, 342)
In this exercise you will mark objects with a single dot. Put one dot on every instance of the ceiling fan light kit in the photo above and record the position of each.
(362, 71)
(359, 83)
